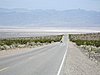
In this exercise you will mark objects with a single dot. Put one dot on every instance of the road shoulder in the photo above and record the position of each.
(6, 53)
(77, 63)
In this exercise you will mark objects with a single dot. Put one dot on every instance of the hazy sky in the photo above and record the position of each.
(52, 4)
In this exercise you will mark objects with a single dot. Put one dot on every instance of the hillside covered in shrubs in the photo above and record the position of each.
(86, 39)
(88, 43)
(22, 42)
(87, 36)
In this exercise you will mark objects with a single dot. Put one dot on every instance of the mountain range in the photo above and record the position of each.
(58, 18)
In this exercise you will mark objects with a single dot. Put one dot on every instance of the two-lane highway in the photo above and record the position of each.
(43, 61)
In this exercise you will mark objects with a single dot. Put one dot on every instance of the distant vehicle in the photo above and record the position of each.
(61, 42)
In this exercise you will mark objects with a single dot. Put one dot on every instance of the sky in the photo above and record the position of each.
(52, 4)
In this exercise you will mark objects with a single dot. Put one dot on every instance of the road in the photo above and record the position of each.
(43, 61)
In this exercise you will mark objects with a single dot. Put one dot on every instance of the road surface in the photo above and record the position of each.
(43, 61)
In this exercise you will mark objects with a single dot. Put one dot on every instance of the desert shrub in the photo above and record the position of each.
(27, 41)
(87, 42)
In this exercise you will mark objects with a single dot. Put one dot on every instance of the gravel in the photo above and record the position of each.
(76, 63)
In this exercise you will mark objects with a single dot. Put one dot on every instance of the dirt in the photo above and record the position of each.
(76, 63)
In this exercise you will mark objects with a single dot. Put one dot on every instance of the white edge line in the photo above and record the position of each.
(4, 69)
(58, 73)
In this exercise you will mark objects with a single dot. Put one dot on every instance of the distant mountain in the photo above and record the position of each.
(24, 17)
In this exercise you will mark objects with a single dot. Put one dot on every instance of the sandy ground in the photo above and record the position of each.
(77, 63)
(5, 53)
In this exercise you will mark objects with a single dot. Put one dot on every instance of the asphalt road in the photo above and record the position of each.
(43, 61)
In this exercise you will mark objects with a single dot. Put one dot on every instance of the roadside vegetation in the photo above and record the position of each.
(88, 44)
(22, 42)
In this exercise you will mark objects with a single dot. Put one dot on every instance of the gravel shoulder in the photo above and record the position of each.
(6, 53)
(76, 63)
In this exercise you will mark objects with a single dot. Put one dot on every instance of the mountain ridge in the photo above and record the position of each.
(38, 17)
